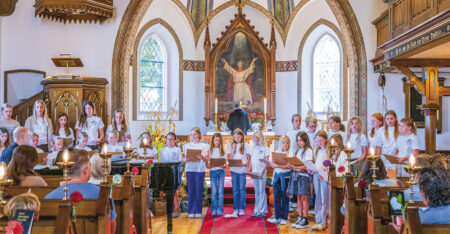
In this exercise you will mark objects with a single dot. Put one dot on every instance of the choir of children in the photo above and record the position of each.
(311, 147)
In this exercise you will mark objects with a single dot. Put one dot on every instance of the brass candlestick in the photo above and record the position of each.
(128, 152)
(332, 148)
(65, 165)
(264, 128)
(373, 159)
(106, 157)
(3, 184)
(217, 129)
(411, 169)
(349, 153)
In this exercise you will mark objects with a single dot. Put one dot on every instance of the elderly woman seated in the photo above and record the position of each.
(20, 169)
(24, 201)
(97, 169)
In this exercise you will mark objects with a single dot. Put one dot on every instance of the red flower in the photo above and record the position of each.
(258, 116)
(341, 169)
(134, 170)
(76, 197)
(14, 227)
(226, 119)
(149, 162)
(362, 184)
(258, 113)
(253, 119)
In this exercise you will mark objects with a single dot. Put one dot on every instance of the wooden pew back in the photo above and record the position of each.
(355, 207)
(413, 224)
(336, 187)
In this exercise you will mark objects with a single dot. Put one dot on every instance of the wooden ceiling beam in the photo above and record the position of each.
(413, 79)
(418, 62)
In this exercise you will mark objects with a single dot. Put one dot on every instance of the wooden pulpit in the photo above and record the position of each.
(67, 95)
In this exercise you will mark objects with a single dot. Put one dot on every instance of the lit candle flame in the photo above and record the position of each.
(145, 141)
(411, 160)
(128, 144)
(372, 151)
(105, 148)
(66, 156)
(349, 146)
(2, 170)
(332, 141)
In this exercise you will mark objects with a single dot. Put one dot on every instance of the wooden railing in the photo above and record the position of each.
(403, 15)
(25, 108)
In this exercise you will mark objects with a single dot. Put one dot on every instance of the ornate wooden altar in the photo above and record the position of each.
(255, 55)
(67, 95)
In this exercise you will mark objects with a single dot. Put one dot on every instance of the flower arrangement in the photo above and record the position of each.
(75, 197)
(224, 117)
(255, 117)
(341, 169)
(14, 227)
(117, 179)
(362, 184)
(326, 163)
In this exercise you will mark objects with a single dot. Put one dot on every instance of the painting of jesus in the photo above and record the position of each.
(240, 76)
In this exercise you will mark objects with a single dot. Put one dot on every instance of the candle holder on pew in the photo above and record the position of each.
(3, 182)
(128, 152)
(332, 149)
(106, 157)
(65, 165)
(349, 151)
(411, 169)
(373, 159)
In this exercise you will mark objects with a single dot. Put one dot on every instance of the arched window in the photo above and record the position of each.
(327, 73)
(152, 76)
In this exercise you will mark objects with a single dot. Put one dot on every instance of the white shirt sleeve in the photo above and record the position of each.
(415, 143)
(100, 123)
(364, 141)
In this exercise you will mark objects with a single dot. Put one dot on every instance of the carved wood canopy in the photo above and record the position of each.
(7, 7)
(75, 10)
(214, 53)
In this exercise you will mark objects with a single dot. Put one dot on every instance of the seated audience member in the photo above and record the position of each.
(20, 170)
(24, 201)
(6, 121)
(79, 175)
(434, 186)
(21, 137)
(4, 139)
(58, 145)
(35, 142)
(82, 141)
(97, 169)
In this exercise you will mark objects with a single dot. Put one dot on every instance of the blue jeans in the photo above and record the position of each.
(322, 199)
(280, 197)
(217, 181)
(260, 195)
(195, 181)
(239, 193)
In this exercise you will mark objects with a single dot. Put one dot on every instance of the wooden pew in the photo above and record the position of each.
(336, 187)
(92, 215)
(413, 224)
(141, 211)
(355, 207)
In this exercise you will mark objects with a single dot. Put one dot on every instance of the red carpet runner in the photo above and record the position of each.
(244, 224)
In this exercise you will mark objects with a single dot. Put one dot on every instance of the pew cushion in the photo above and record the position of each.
(88, 190)
(435, 215)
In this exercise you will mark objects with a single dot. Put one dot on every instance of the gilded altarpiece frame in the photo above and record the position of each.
(263, 74)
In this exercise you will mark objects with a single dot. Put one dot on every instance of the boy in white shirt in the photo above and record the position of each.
(296, 121)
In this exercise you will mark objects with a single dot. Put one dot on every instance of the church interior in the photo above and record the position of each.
(220, 116)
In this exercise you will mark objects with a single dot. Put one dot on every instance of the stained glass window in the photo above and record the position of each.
(152, 82)
(327, 75)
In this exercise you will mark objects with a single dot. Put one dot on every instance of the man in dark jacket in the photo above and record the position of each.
(239, 119)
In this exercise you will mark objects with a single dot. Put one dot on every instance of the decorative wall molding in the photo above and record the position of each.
(7, 7)
(281, 66)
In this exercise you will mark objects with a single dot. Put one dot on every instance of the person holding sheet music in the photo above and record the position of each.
(407, 143)
(6, 121)
(241, 151)
(195, 172)
(82, 141)
(35, 142)
(4, 139)
(91, 124)
(280, 174)
(119, 124)
(299, 184)
(62, 128)
(41, 124)
(217, 175)
(386, 141)
(357, 141)
(320, 182)
(21, 171)
(259, 155)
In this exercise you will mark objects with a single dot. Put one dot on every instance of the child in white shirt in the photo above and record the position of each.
(41, 124)
(296, 121)
(62, 129)
(146, 149)
(407, 143)
(112, 143)
(386, 142)
(57, 147)
(259, 152)
(90, 124)
(217, 175)
(82, 140)
(119, 124)
(357, 141)
(336, 127)
(35, 142)
(311, 127)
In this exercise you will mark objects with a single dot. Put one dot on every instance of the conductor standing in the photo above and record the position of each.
(239, 119)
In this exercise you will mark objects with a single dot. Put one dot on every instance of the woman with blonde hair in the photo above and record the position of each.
(41, 124)
(97, 169)
(387, 139)
(24, 201)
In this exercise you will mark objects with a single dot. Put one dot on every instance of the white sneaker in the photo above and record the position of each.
(233, 215)
(241, 213)
(271, 219)
(283, 221)
(315, 226)
(275, 221)
(191, 216)
(198, 215)
(322, 227)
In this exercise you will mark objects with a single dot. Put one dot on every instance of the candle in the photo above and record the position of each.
(371, 150)
(145, 141)
(332, 141)
(2, 171)
(265, 105)
(105, 148)
(66, 156)
(216, 106)
(128, 144)
(349, 146)
(411, 160)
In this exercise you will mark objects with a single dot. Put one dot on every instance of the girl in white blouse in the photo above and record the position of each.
(259, 154)
(120, 124)
(171, 152)
(407, 143)
(90, 124)
(217, 175)
(357, 141)
(336, 127)
(387, 139)
(62, 128)
(41, 124)
(377, 122)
